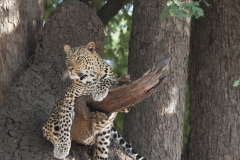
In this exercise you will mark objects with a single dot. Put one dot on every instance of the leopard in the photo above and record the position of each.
(90, 75)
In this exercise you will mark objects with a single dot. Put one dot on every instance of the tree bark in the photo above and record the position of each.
(20, 20)
(155, 127)
(32, 97)
(214, 65)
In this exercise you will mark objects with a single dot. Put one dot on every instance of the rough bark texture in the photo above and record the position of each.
(30, 100)
(214, 65)
(20, 20)
(155, 127)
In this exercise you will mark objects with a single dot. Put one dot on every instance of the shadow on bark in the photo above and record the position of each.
(19, 24)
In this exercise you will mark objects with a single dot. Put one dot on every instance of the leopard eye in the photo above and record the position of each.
(78, 59)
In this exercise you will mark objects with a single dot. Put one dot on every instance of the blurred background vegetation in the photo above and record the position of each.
(117, 35)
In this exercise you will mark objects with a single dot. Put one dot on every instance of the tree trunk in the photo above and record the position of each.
(32, 98)
(214, 65)
(20, 20)
(155, 127)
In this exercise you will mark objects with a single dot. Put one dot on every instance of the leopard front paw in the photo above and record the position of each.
(61, 149)
(99, 95)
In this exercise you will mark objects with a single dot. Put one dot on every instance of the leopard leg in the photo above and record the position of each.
(66, 115)
(102, 144)
(102, 130)
(50, 129)
(63, 145)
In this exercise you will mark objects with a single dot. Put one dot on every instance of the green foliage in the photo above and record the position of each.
(236, 83)
(176, 8)
(117, 35)
(118, 123)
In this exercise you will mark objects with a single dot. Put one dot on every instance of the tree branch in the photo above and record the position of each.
(109, 10)
(119, 97)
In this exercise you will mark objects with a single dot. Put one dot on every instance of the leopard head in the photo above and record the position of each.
(82, 62)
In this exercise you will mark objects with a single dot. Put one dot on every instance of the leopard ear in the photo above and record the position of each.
(67, 48)
(91, 46)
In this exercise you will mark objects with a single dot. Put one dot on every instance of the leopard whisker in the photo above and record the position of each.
(64, 76)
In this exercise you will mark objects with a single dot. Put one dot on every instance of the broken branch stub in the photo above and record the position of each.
(127, 95)
(119, 97)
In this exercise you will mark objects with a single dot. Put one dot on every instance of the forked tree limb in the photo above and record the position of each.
(119, 97)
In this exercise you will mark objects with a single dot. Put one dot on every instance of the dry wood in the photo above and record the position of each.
(119, 97)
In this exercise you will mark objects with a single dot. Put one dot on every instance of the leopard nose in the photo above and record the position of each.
(70, 69)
